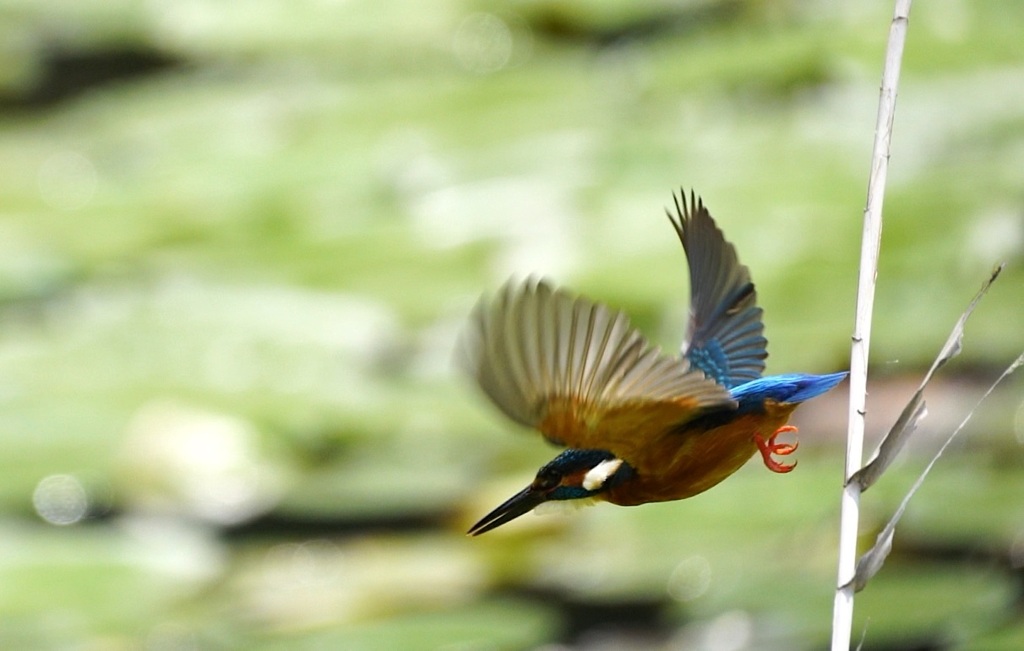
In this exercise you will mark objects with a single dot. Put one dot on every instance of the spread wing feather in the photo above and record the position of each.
(566, 366)
(725, 336)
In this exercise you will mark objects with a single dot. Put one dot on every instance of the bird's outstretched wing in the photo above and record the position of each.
(578, 371)
(725, 334)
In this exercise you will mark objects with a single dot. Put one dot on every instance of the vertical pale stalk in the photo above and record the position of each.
(842, 615)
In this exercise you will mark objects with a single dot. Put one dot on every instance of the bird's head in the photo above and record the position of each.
(572, 475)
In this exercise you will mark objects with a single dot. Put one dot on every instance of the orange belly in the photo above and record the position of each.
(681, 464)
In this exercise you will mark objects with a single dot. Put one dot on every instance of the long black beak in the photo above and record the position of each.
(522, 502)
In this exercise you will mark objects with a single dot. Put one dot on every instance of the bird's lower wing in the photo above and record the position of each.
(577, 370)
(621, 428)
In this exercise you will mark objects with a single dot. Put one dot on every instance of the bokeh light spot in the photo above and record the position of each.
(690, 579)
(60, 500)
(483, 43)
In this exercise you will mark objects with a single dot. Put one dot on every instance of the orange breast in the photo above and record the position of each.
(680, 464)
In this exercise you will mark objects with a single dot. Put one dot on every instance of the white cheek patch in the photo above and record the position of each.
(599, 474)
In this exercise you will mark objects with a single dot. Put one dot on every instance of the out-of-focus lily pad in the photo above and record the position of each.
(950, 603)
(278, 233)
(318, 583)
(63, 585)
(492, 624)
(1007, 639)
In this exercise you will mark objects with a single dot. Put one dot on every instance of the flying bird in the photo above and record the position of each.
(639, 425)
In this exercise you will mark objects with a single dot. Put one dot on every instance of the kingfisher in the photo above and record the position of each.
(639, 425)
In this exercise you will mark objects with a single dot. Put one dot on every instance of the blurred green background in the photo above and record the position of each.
(237, 241)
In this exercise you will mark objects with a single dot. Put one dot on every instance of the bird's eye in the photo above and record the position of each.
(547, 480)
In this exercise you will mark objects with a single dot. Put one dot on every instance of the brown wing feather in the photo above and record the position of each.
(577, 371)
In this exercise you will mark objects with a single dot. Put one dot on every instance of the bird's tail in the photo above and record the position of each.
(788, 388)
(810, 386)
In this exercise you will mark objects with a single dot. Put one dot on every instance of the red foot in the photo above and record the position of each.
(770, 447)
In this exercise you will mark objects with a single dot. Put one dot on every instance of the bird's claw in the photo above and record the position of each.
(770, 447)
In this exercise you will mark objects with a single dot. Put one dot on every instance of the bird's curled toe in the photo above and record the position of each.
(770, 447)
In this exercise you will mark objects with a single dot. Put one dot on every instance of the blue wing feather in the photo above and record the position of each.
(725, 335)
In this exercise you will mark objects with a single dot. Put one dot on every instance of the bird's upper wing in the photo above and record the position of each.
(725, 334)
(578, 371)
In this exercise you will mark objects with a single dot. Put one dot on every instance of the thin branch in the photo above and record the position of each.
(915, 409)
(872, 560)
(842, 615)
